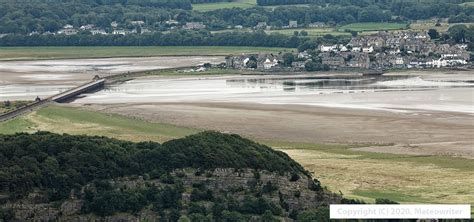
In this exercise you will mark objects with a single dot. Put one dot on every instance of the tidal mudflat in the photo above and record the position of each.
(411, 113)
(24, 80)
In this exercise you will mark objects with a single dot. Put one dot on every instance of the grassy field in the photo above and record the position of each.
(402, 178)
(4, 107)
(60, 119)
(312, 32)
(425, 25)
(357, 174)
(468, 4)
(220, 5)
(12, 53)
(372, 26)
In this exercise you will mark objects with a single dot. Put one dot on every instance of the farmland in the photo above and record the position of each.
(312, 32)
(425, 25)
(372, 26)
(203, 7)
(24, 53)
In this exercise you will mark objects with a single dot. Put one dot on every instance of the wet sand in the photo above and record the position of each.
(433, 133)
(28, 79)
(440, 133)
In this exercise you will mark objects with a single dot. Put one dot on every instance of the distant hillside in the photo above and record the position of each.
(207, 175)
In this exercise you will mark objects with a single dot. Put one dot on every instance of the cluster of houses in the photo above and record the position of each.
(120, 29)
(401, 49)
(94, 30)
(396, 50)
(292, 24)
(268, 62)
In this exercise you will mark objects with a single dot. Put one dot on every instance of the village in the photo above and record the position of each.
(381, 51)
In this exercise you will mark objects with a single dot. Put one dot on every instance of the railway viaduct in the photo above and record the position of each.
(95, 85)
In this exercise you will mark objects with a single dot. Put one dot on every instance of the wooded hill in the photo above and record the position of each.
(208, 177)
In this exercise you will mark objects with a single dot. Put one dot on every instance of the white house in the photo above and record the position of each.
(120, 32)
(87, 27)
(293, 24)
(328, 48)
(140, 23)
(356, 49)
(368, 49)
(114, 24)
(98, 32)
(67, 31)
(399, 61)
(268, 64)
(448, 61)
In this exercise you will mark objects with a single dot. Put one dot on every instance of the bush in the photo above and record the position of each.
(294, 177)
(385, 201)
(318, 214)
(269, 187)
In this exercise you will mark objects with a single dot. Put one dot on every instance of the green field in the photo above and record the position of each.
(357, 174)
(425, 25)
(203, 7)
(4, 107)
(16, 53)
(468, 4)
(312, 32)
(61, 119)
(372, 26)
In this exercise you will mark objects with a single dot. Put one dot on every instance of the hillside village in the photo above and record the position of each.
(384, 50)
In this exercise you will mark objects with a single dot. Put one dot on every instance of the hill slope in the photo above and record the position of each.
(208, 174)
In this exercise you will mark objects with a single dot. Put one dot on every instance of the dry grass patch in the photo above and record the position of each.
(407, 182)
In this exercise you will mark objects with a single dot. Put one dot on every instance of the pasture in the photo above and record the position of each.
(373, 26)
(203, 7)
(28, 53)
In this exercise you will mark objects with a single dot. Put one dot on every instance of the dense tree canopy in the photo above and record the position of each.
(59, 163)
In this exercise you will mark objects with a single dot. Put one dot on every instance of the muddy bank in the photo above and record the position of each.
(435, 133)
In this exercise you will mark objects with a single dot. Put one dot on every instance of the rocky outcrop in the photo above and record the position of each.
(294, 191)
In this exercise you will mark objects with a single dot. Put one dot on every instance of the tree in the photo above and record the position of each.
(268, 217)
(288, 59)
(433, 33)
(458, 33)
(304, 33)
(385, 201)
(184, 218)
(318, 214)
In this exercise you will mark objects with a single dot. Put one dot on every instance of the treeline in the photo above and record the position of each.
(179, 38)
(57, 164)
(287, 2)
(23, 18)
(352, 2)
(210, 1)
